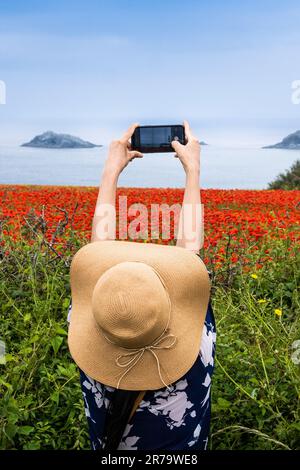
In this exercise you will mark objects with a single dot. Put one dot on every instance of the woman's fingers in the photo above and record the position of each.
(135, 154)
(176, 145)
(126, 136)
(188, 132)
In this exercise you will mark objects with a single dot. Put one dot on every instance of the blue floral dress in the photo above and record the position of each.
(177, 418)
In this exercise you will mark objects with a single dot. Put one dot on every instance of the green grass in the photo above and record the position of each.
(255, 391)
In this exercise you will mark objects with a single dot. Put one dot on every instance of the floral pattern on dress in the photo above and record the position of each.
(172, 403)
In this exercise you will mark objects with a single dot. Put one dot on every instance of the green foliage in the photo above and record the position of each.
(288, 180)
(255, 392)
(41, 402)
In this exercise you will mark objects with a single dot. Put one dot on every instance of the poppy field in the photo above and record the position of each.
(251, 247)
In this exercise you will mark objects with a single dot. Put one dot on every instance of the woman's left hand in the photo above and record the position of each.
(120, 153)
(188, 154)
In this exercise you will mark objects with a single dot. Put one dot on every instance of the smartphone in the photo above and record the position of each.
(154, 139)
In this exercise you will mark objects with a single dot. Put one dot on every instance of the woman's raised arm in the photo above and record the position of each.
(119, 155)
(190, 227)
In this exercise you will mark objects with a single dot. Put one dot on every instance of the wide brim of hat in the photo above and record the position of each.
(188, 284)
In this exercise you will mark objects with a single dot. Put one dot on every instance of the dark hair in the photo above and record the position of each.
(117, 417)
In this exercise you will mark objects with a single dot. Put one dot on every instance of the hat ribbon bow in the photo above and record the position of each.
(130, 359)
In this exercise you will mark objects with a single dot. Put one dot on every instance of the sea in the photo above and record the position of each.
(222, 168)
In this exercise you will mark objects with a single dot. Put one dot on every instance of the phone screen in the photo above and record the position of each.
(157, 138)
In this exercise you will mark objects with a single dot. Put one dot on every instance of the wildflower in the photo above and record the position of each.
(278, 311)
(261, 301)
(254, 276)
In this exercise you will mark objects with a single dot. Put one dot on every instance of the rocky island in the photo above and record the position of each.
(291, 142)
(51, 140)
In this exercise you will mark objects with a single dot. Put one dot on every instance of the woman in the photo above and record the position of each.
(173, 415)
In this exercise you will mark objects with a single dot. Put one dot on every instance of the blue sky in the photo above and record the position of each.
(91, 67)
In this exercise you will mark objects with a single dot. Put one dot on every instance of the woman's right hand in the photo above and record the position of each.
(188, 154)
(120, 153)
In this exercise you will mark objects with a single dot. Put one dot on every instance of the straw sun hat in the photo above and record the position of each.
(137, 312)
